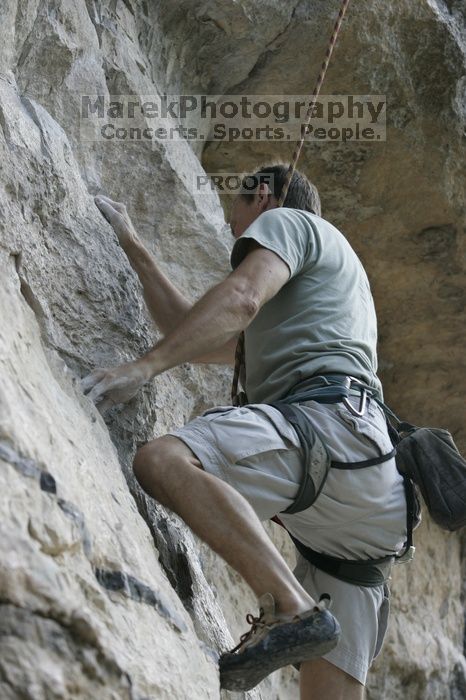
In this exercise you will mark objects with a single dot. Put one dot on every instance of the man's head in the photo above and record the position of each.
(261, 191)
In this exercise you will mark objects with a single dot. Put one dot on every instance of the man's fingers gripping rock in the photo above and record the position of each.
(88, 382)
(118, 206)
(107, 211)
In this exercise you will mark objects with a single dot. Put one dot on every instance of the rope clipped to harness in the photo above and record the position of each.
(240, 398)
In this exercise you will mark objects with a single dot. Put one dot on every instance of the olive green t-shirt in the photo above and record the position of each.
(322, 321)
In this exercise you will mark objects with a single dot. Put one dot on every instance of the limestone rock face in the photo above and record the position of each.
(103, 592)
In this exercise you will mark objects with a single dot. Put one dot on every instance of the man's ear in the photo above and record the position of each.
(264, 189)
(263, 195)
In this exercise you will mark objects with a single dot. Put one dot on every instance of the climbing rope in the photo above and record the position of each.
(314, 96)
(240, 399)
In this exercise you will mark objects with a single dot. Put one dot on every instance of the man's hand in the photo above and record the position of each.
(117, 216)
(110, 386)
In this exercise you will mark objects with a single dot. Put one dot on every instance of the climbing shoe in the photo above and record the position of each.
(273, 642)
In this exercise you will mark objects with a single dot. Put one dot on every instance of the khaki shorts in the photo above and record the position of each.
(358, 513)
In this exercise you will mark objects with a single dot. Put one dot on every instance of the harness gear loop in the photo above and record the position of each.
(240, 399)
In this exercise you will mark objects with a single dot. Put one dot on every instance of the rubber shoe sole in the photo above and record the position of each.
(285, 644)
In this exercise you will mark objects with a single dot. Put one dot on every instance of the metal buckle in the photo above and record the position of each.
(406, 557)
(362, 403)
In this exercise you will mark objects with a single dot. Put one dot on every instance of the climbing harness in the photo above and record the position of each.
(333, 389)
(427, 459)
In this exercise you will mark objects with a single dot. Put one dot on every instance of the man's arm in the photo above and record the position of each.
(165, 303)
(213, 321)
(222, 312)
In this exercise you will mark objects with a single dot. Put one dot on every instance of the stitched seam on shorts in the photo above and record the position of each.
(346, 652)
(220, 460)
(263, 450)
(349, 660)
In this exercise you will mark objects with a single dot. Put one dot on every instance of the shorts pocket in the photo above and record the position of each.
(218, 409)
(244, 431)
(278, 420)
(371, 428)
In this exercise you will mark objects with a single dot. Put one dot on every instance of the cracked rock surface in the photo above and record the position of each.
(103, 592)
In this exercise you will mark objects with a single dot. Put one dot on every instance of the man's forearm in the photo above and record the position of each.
(214, 319)
(165, 303)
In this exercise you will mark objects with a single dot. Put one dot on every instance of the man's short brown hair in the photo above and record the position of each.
(302, 194)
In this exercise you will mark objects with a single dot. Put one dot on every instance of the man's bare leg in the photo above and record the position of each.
(168, 470)
(320, 679)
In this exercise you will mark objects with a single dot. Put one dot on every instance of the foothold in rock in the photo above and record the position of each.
(47, 482)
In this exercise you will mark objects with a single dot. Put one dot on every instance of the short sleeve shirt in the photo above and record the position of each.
(322, 321)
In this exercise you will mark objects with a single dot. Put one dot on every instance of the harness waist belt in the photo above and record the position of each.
(329, 388)
(363, 572)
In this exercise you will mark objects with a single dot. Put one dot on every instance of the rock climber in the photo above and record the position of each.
(301, 295)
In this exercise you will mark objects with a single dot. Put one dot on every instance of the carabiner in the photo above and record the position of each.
(362, 404)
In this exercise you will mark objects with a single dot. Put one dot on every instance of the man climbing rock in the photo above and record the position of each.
(302, 297)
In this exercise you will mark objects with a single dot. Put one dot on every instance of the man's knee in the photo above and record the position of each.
(160, 457)
(148, 459)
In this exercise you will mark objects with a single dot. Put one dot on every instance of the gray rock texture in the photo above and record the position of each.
(103, 592)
